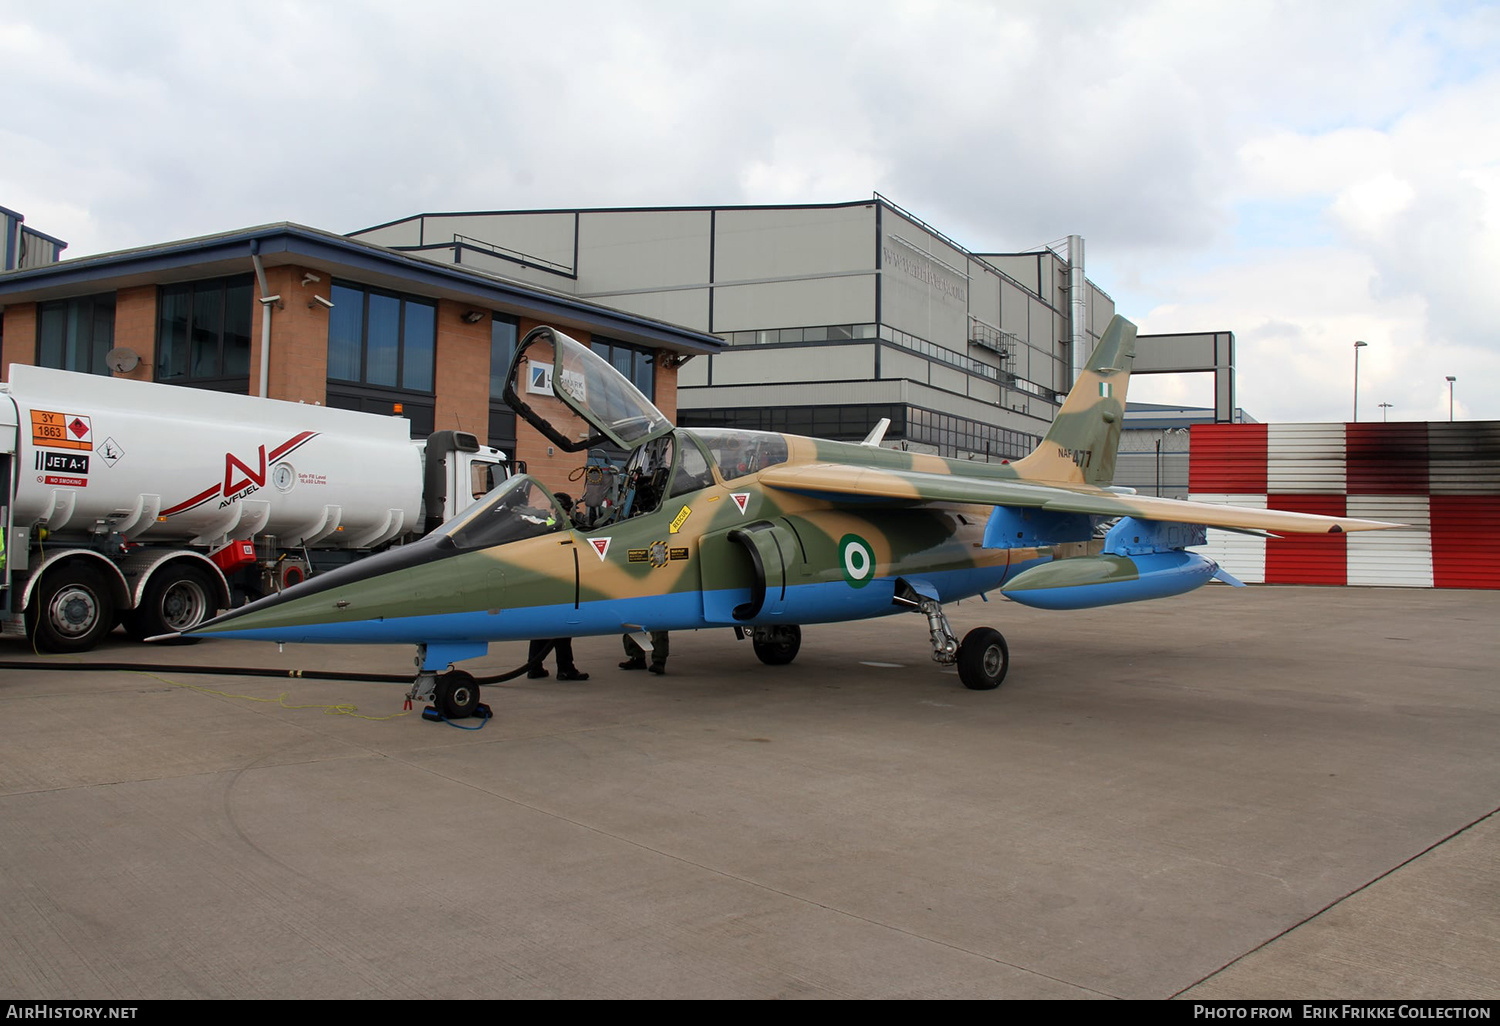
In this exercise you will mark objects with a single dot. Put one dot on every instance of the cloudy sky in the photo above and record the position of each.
(1303, 174)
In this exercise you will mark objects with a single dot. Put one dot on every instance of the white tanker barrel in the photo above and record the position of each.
(163, 463)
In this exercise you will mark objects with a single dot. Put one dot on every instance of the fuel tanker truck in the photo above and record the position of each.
(154, 506)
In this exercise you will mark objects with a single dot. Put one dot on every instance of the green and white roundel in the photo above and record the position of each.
(858, 560)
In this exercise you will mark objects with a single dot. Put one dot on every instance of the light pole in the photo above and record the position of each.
(1451, 379)
(1357, 347)
(1383, 408)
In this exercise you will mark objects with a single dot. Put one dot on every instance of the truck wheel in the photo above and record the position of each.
(177, 599)
(71, 610)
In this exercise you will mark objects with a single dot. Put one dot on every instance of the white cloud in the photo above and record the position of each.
(1302, 174)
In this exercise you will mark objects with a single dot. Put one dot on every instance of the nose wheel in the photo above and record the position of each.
(454, 695)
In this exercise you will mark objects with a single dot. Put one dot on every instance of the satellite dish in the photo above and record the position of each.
(122, 359)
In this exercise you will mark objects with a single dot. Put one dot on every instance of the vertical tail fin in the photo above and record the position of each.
(1080, 446)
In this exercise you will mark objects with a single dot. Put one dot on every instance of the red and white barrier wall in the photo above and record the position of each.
(1442, 479)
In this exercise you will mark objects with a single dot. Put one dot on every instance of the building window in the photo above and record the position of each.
(381, 352)
(381, 338)
(203, 333)
(75, 334)
(503, 332)
(635, 363)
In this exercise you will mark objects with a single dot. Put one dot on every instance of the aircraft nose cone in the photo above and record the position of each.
(374, 588)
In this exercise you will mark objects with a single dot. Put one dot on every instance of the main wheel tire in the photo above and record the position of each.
(178, 598)
(776, 646)
(456, 695)
(983, 659)
(71, 609)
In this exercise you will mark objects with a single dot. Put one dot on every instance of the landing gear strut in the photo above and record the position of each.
(982, 657)
(454, 694)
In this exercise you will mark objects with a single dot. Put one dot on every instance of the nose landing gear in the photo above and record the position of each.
(454, 694)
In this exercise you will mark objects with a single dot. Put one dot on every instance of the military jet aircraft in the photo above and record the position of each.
(764, 533)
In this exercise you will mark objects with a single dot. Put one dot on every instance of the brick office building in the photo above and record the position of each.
(351, 325)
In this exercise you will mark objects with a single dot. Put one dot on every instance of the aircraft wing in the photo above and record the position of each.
(869, 485)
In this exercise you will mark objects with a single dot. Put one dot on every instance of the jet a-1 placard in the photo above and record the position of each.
(763, 532)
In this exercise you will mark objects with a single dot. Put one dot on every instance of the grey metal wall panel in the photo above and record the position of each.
(936, 399)
(1242, 555)
(984, 293)
(1174, 353)
(813, 393)
(776, 243)
(1399, 559)
(755, 365)
(642, 249)
(492, 264)
(792, 304)
(688, 308)
(925, 283)
(983, 389)
(1014, 310)
(949, 378)
(1023, 268)
(1042, 325)
(1053, 274)
(37, 250)
(1101, 309)
(1305, 459)
(897, 363)
(402, 233)
(694, 373)
(546, 236)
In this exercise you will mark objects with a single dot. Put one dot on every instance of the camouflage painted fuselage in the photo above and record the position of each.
(671, 569)
(817, 532)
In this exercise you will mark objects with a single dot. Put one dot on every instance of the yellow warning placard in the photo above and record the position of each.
(680, 519)
(61, 430)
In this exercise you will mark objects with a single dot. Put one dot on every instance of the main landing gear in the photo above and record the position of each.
(982, 657)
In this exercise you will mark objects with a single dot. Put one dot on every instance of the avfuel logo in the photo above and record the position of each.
(241, 477)
(857, 560)
(249, 479)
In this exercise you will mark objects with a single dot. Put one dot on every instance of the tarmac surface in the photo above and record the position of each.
(1241, 793)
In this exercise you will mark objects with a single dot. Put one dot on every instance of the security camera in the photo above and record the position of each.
(308, 278)
(326, 302)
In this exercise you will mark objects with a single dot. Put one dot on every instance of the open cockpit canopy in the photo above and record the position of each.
(575, 398)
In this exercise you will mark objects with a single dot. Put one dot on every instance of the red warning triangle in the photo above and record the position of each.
(740, 498)
(601, 546)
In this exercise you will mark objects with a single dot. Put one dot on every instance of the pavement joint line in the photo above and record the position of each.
(758, 885)
(1336, 901)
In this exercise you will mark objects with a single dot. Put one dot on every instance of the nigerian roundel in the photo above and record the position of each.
(857, 560)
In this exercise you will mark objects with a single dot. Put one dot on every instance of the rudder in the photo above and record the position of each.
(1082, 443)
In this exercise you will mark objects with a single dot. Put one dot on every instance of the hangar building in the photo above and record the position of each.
(835, 315)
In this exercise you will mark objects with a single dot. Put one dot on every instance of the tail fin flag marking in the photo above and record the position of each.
(1081, 445)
